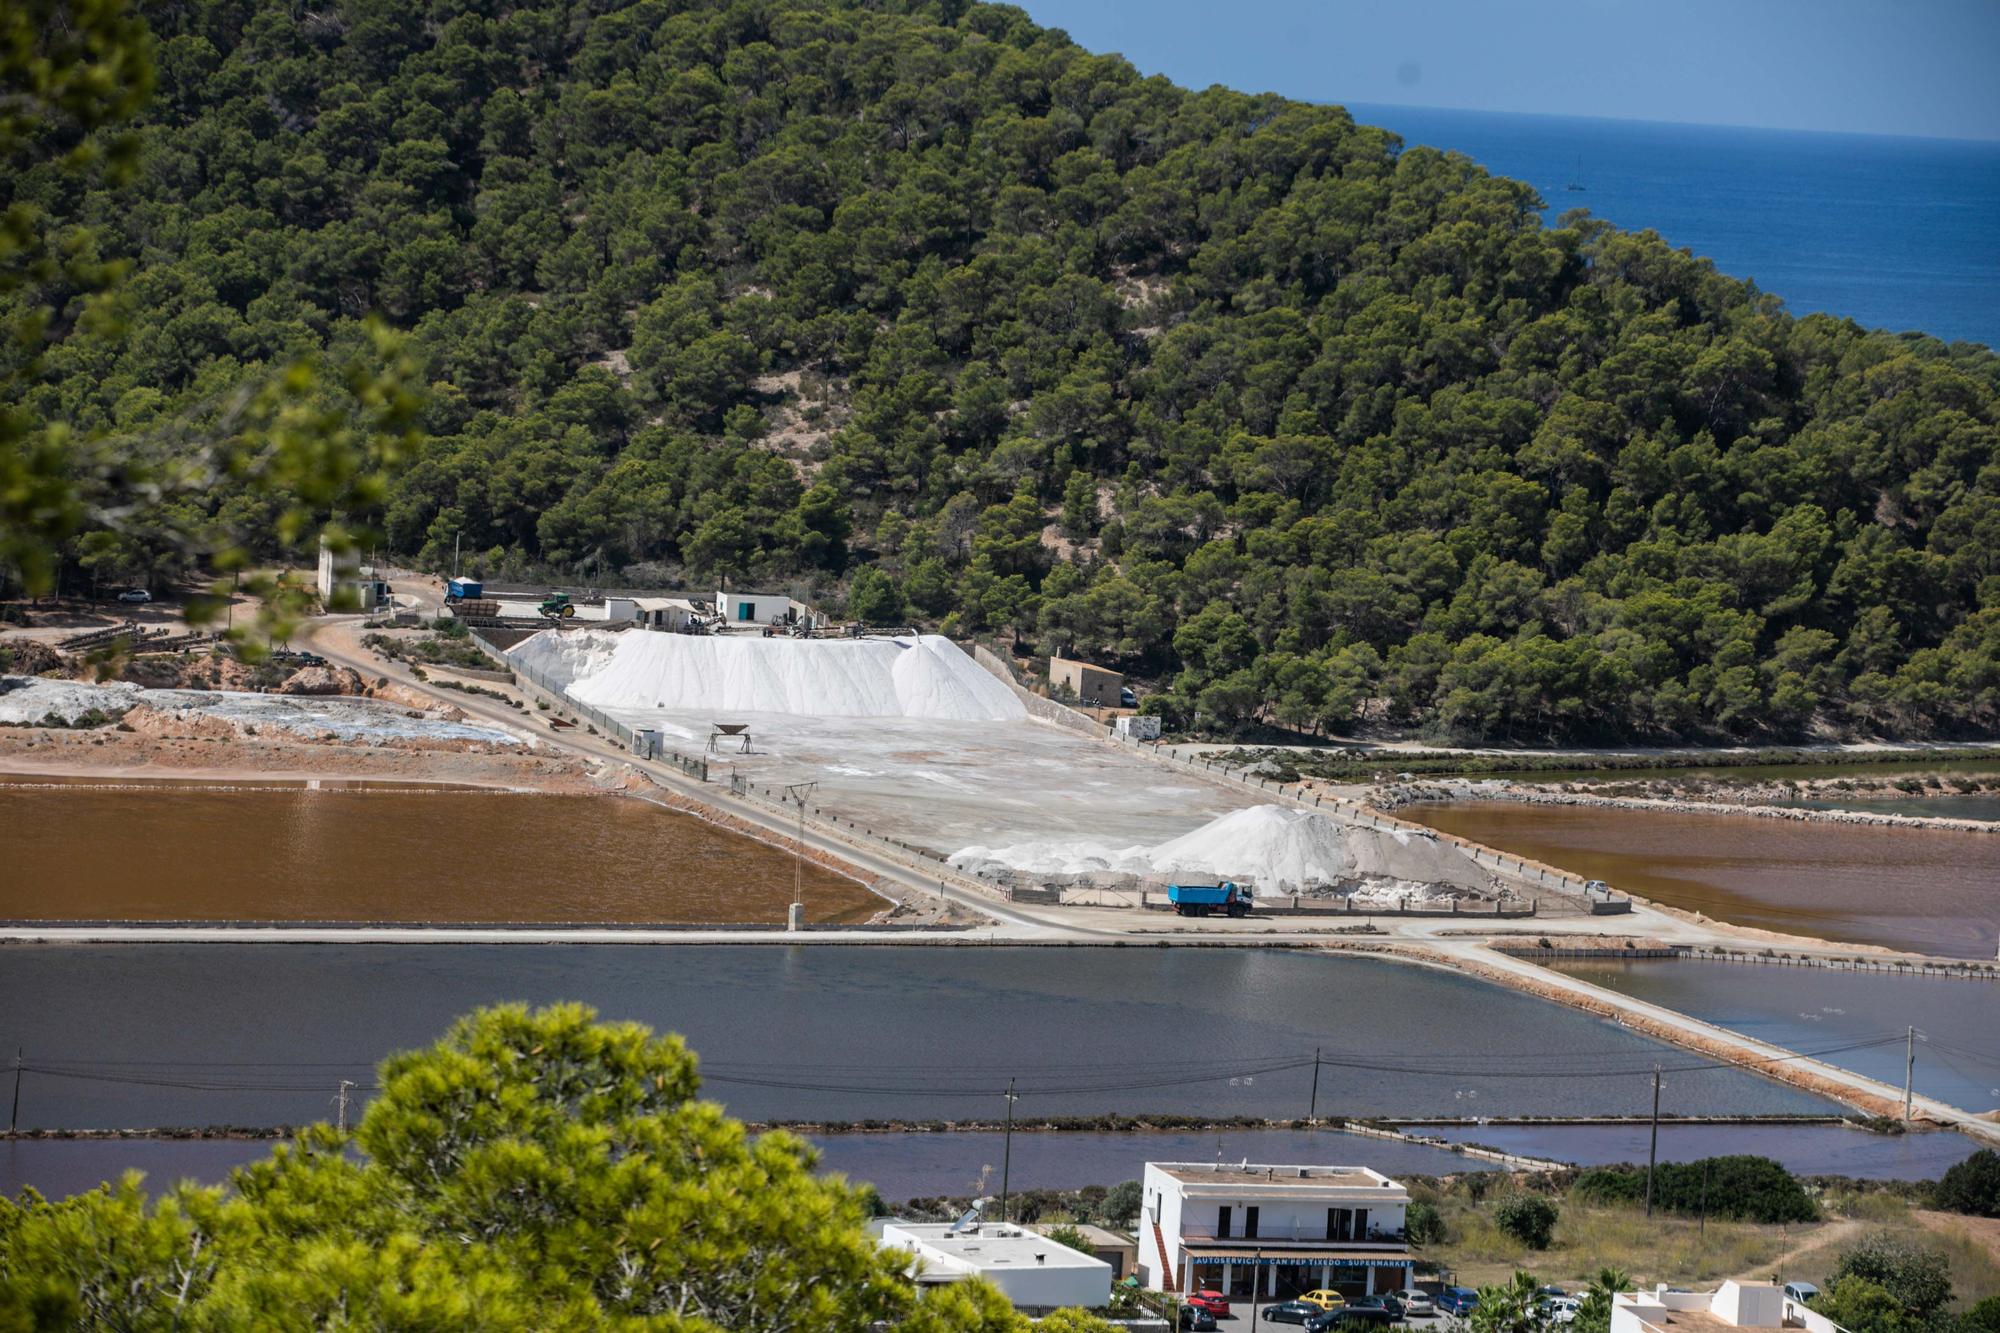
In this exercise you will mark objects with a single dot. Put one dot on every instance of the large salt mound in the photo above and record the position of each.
(924, 676)
(1277, 848)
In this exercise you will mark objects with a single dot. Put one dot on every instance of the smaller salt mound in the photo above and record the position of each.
(925, 676)
(1277, 848)
(1274, 845)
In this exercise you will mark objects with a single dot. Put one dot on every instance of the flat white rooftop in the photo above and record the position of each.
(988, 1246)
(1233, 1176)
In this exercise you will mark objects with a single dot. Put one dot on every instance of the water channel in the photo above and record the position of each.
(261, 1034)
(1931, 890)
(183, 851)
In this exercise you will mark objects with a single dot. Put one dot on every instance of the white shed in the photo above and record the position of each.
(755, 608)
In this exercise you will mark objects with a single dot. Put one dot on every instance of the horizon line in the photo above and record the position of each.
(1993, 141)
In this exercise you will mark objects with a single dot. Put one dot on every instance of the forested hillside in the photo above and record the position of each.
(925, 307)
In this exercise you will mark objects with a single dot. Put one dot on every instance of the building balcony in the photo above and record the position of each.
(1270, 1235)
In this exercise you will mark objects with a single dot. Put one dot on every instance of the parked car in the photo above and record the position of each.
(1211, 1300)
(1416, 1304)
(1457, 1300)
(1291, 1312)
(1359, 1316)
(135, 597)
(1802, 1292)
(1127, 699)
(1196, 1319)
(1325, 1298)
(1560, 1309)
(1389, 1303)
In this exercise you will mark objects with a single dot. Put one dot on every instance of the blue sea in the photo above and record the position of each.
(1894, 233)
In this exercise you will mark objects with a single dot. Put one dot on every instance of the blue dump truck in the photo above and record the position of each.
(1207, 899)
(463, 590)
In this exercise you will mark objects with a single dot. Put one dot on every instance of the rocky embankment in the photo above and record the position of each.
(1387, 799)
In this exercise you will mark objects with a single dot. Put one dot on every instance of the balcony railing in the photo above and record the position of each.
(1302, 1235)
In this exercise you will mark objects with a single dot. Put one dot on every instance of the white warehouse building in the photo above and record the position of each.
(1272, 1231)
(1034, 1272)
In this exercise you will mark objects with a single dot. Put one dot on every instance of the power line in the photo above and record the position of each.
(935, 1080)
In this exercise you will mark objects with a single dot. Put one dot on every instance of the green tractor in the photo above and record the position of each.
(557, 606)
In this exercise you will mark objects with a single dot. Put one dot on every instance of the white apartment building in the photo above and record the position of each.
(1733, 1305)
(1034, 1272)
(1273, 1231)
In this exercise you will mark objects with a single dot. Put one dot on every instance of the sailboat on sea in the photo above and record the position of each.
(1576, 178)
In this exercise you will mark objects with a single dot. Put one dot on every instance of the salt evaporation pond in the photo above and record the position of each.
(900, 1165)
(1958, 1051)
(960, 1162)
(1934, 891)
(797, 1032)
(1808, 1150)
(136, 850)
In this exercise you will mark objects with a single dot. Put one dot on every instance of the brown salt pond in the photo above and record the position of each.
(1934, 891)
(82, 850)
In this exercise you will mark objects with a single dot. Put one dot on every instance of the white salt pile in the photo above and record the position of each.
(30, 700)
(1278, 848)
(924, 676)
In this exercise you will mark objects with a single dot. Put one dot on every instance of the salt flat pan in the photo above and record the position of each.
(29, 700)
(924, 676)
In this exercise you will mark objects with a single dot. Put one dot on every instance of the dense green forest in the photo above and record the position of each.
(924, 308)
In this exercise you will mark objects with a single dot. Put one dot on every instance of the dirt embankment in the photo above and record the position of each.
(1393, 798)
(907, 908)
(166, 745)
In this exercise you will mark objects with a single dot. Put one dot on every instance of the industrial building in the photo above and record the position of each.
(1085, 683)
(759, 608)
(1271, 1232)
(348, 587)
(1035, 1273)
(1732, 1305)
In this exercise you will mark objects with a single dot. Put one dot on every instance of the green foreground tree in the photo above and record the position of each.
(532, 1170)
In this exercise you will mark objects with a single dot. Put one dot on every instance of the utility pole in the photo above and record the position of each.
(14, 1120)
(1653, 1150)
(456, 538)
(798, 791)
(341, 1098)
(1909, 1072)
(1312, 1111)
(1007, 1150)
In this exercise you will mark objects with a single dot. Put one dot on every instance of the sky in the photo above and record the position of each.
(1915, 67)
